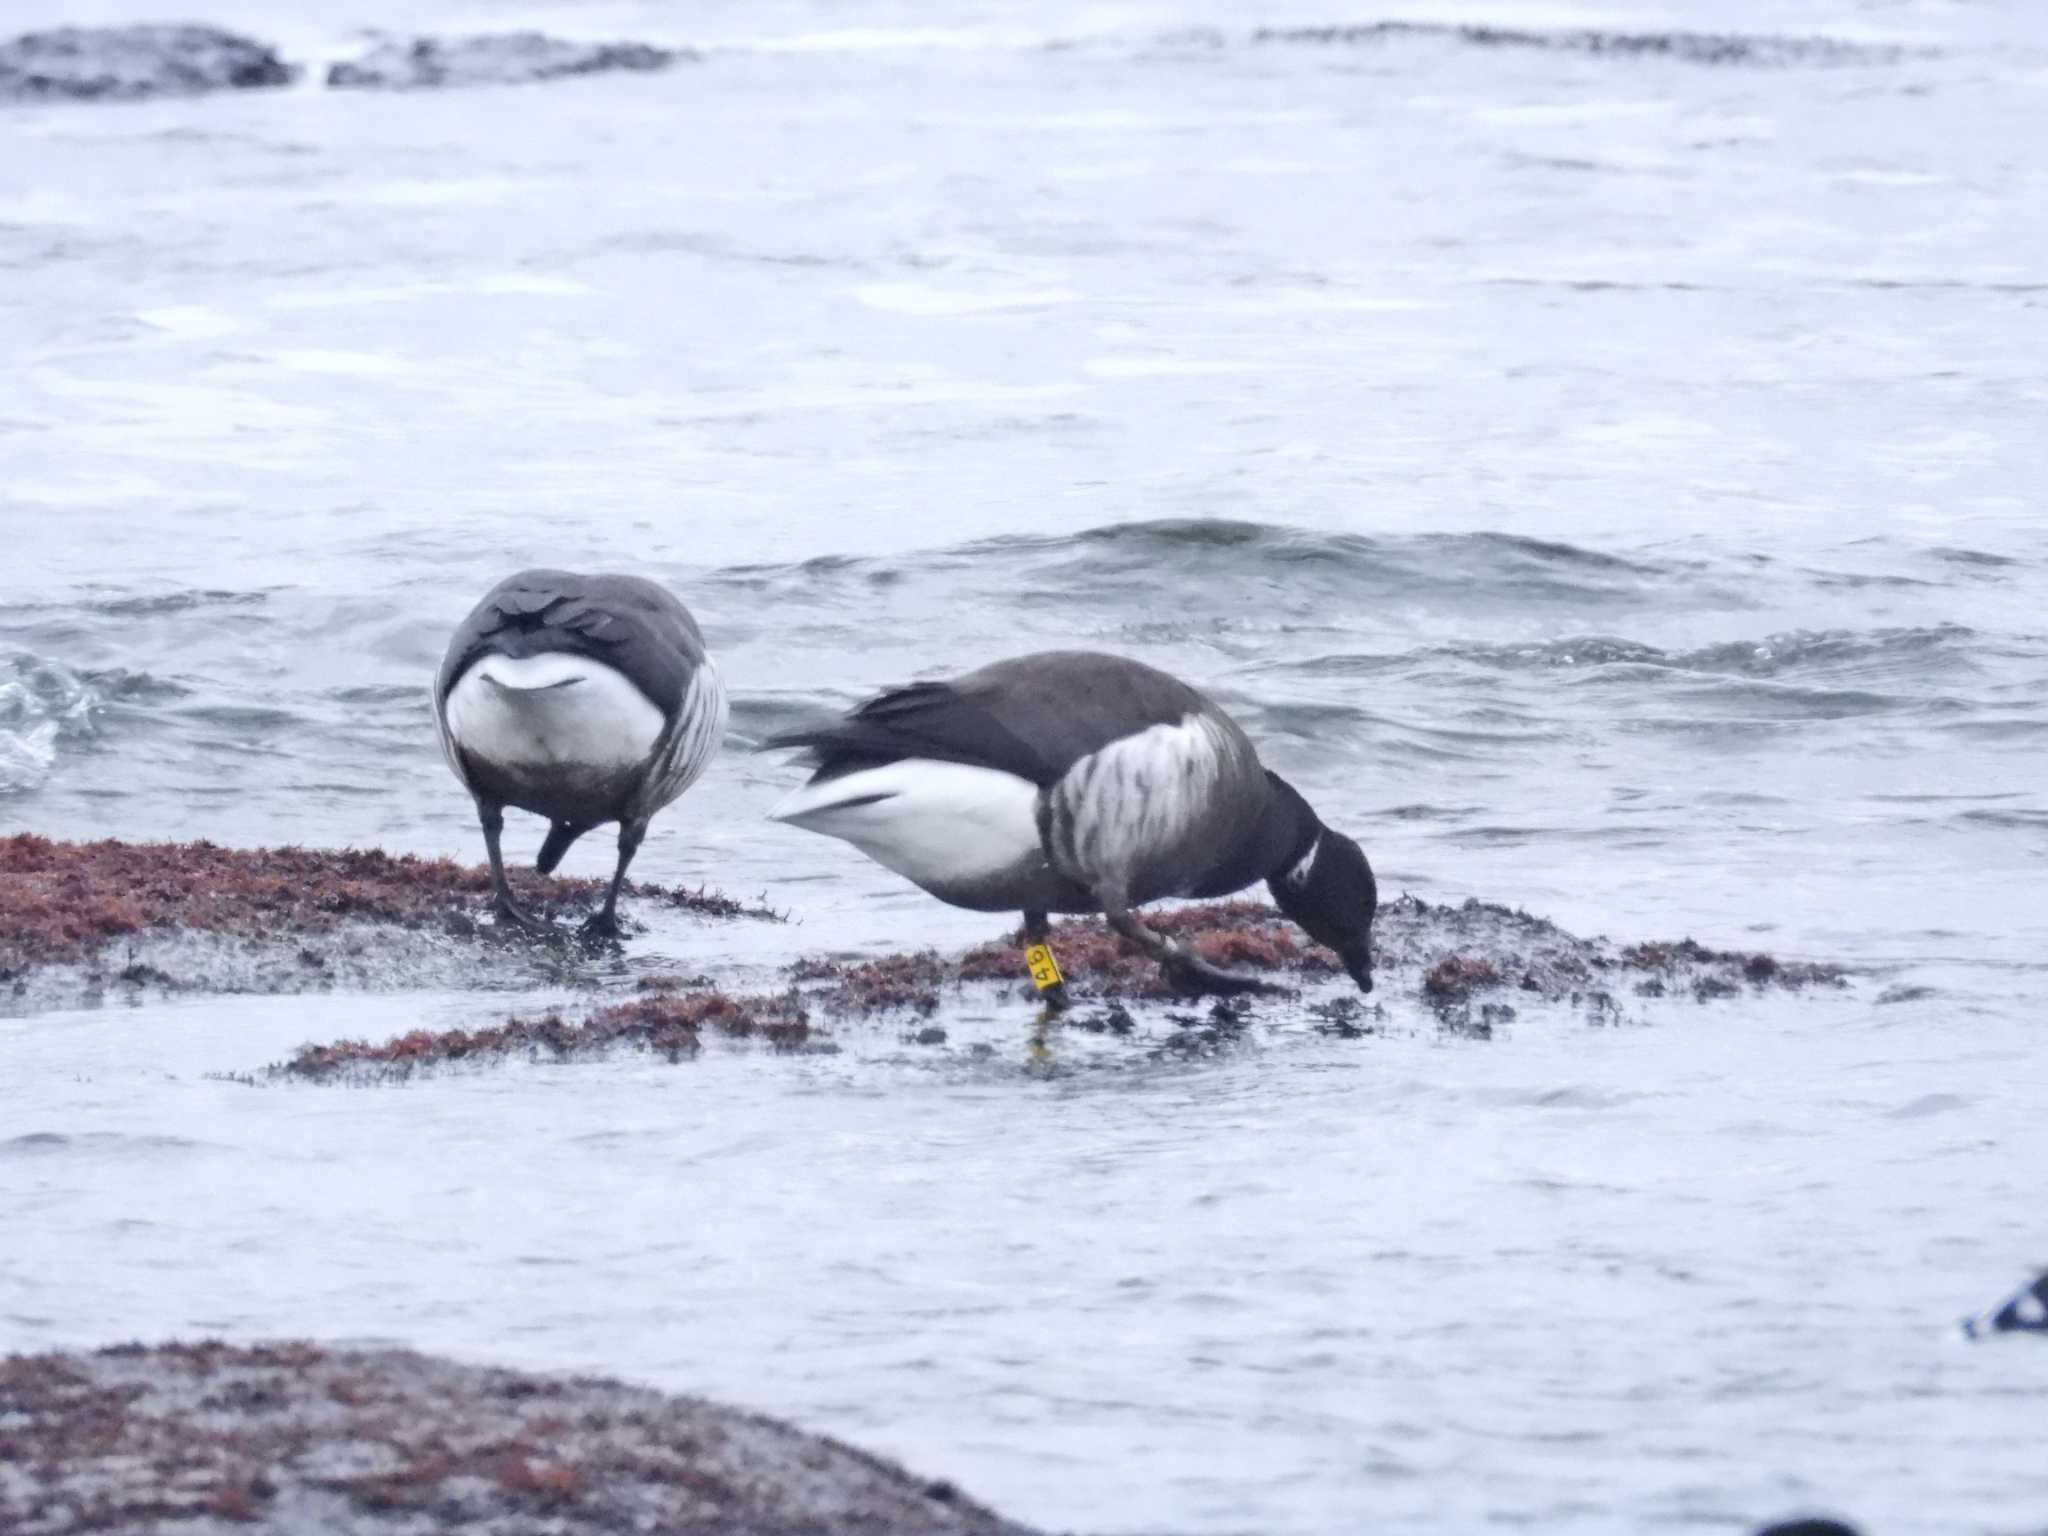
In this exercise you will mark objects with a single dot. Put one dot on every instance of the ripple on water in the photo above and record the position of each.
(1230, 567)
(100, 1145)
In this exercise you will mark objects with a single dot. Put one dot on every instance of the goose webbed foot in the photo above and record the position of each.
(602, 926)
(511, 914)
(1188, 973)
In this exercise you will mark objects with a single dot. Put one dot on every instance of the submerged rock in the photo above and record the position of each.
(129, 63)
(494, 58)
(292, 1437)
(1720, 48)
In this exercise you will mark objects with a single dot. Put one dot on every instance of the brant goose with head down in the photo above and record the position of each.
(1075, 782)
(583, 699)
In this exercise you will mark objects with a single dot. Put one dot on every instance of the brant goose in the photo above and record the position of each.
(583, 699)
(1070, 781)
(2025, 1311)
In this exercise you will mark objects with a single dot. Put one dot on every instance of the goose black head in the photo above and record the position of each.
(1330, 892)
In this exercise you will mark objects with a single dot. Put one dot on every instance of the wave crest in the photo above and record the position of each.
(1237, 566)
(40, 703)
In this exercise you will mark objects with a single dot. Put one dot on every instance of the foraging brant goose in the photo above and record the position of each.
(583, 699)
(1070, 781)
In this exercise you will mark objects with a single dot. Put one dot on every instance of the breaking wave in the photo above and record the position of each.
(41, 703)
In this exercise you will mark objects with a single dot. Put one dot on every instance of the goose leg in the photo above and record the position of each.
(492, 815)
(1188, 971)
(1045, 970)
(560, 835)
(604, 923)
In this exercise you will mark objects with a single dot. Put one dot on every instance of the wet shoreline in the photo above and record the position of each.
(82, 921)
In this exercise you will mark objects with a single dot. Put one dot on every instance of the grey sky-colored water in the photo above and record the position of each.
(1606, 484)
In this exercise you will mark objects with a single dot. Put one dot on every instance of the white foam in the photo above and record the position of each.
(27, 755)
(1103, 170)
(355, 365)
(857, 397)
(472, 192)
(350, 298)
(193, 322)
(38, 701)
(87, 490)
(1646, 429)
(916, 299)
(1160, 367)
(903, 39)
(1567, 114)
(1322, 301)
(534, 284)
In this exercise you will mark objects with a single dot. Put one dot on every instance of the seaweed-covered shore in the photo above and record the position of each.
(196, 917)
(1471, 965)
(78, 918)
(293, 1437)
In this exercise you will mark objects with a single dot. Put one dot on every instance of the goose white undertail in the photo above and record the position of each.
(552, 709)
(940, 825)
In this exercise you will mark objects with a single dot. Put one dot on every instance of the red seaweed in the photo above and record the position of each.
(1459, 976)
(668, 1023)
(61, 901)
(133, 1438)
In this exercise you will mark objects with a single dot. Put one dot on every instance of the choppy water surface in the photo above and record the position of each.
(1609, 483)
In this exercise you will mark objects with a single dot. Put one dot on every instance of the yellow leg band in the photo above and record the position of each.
(1045, 971)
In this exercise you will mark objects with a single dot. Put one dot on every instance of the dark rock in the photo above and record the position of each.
(494, 58)
(1346, 1017)
(130, 63)
(1715, 48)
(291, 1437)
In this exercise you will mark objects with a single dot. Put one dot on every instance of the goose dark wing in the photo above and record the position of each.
(923, 720)
(633, 625)
(1034, 716)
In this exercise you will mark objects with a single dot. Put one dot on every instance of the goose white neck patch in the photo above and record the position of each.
(1297, 877)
